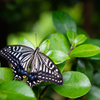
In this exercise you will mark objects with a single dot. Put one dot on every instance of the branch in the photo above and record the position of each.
(70, 50)
(43, 92)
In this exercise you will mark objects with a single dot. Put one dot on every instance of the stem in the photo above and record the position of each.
(43, 92)
(70, 50)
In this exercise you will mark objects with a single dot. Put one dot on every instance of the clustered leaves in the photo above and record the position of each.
(62, 47)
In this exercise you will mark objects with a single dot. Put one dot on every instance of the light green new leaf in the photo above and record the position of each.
(6, 74)
(75, 84)
(94, 42)
(85, 50)
(57, 56)
(62, 22)
(16, 90)
(71, 36)
(24, 41)
(44, 46)
(79, 39)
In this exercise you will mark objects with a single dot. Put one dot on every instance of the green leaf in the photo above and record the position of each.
(59, 42)
(75, 84)
(44, 46)
(6, 74)
(62, 22)
(24, 41)
(85, 67)
(57, 56)
(85, 50)
(16, 90)
(71, 36)
(94, 42)
(94, 93)
(79, 39)
(3, 96)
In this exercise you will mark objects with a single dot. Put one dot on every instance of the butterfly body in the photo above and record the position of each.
(42, 67)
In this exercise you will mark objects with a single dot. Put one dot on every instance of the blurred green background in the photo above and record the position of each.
(24, 18)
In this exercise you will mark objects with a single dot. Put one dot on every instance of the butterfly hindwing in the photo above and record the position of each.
(20, 57)
(43, 69)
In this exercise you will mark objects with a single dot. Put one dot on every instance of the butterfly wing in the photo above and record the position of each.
(50, 71)
(43, 69)
(20, 57)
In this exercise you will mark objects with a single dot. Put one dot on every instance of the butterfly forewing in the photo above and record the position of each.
(43, 69)
(20, 57)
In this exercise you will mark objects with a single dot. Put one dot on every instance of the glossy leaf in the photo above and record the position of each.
(59, 42)
(62, 22)
(85, 50)
(16, 90)
(6, 74)
(94, 42)
(85, 67)
(71, 36)
(44, 46)
(75, 84)
(57, 56)
(24, 41)
(3, 96)
(94, 93)
(79, 39)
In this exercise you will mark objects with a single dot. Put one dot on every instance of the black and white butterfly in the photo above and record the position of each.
(42, 67)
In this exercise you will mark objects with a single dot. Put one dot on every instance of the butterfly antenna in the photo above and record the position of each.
(36, 39)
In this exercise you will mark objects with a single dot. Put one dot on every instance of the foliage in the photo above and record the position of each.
(65, 48)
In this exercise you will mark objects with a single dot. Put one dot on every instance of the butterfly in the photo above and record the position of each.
(42, 67)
